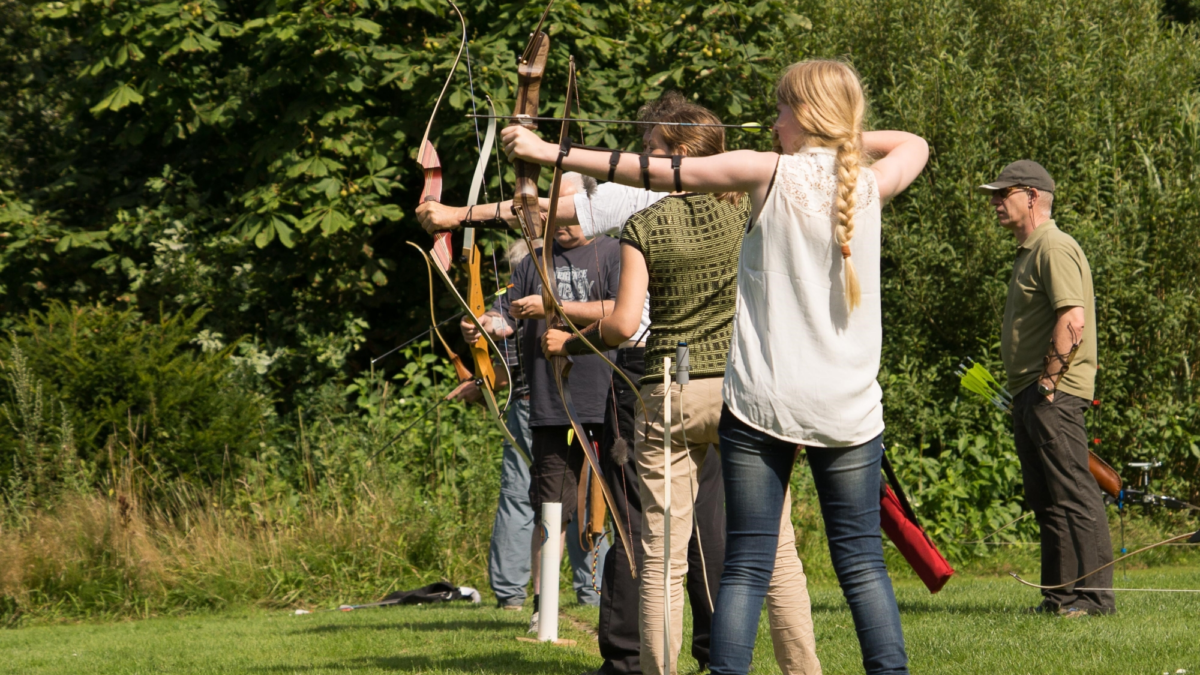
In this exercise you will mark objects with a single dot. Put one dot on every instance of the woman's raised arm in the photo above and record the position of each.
(905, 155)
(737, 171)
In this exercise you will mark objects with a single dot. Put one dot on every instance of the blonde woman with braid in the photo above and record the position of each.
(806, 342)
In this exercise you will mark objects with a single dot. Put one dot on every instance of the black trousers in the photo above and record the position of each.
(619, 638)
(554, 476)
(1052, 445)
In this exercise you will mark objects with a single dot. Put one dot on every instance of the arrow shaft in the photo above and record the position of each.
(749, 126)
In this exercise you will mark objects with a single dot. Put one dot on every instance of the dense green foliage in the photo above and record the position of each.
(1106, 98)
(122, 387)
(305, 509)
(255, 161)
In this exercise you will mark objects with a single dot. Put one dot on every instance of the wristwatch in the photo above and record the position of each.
(1044, 390)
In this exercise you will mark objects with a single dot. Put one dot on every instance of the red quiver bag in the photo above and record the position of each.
(900, 523)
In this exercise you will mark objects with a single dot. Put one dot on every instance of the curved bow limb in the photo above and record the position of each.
(549, 300)
(427, 156)
(485, 377)
(528, 211)
(556, 317)
(464, 375)
(1164, 542)
(471, 260)
(529, 84)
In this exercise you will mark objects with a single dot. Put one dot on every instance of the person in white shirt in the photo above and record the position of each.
(806, 342)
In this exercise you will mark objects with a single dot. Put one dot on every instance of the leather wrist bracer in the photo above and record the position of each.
(575, 345)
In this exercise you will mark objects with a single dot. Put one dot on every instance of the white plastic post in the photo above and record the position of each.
(551, 560)
(667, 517)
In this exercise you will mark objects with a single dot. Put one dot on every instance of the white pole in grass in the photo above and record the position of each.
(667, 517)
(551, 560)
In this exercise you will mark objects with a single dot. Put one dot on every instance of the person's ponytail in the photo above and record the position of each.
(848, 163)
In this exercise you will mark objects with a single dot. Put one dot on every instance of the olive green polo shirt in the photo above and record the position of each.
(1050, 272)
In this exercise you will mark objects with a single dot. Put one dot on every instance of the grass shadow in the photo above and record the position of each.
(409, 624)
(514, 661)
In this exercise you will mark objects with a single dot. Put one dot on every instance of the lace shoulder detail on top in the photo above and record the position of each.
(808, 181)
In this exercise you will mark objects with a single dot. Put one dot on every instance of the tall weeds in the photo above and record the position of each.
(322, 513)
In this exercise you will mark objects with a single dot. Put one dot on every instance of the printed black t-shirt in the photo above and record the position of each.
(585, 273)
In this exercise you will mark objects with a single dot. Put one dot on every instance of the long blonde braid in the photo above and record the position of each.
(827, 100)
(848, 163)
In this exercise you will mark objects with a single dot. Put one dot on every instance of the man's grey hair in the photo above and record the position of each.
(517, 251)
(1046, 201)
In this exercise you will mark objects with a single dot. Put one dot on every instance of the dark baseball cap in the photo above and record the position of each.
(1023, 172)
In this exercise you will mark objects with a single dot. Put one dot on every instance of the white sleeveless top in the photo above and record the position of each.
(801, 368)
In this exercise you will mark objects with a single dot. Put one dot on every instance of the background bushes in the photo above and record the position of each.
(131, 388)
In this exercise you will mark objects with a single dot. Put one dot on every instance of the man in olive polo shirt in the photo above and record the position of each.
(1048, 345)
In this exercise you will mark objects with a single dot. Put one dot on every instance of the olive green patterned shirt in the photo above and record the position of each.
(691, 244)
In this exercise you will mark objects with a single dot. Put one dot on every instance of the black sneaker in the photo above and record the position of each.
(1046, 607)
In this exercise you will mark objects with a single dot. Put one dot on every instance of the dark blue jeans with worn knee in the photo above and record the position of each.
(757, 469)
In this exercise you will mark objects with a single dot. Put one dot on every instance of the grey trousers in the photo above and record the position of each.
(1052, 445)
(512, 530)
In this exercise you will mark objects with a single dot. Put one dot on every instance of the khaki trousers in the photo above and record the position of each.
(694, 417)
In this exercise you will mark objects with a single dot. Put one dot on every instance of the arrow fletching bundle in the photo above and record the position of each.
(977, 380)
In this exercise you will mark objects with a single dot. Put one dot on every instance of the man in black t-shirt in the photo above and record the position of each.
(585, 273)
(509, 568)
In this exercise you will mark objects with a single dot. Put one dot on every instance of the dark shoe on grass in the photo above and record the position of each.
(1046, 607)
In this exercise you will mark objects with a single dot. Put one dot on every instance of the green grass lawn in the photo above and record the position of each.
(973, 626)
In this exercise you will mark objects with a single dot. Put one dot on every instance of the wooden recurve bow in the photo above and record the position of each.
(439, 259)
(1193, 538)
(528, 211)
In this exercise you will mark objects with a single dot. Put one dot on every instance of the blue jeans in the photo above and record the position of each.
(512, 530)
(757, 470)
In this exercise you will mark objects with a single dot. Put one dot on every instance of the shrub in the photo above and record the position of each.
(132, 391)
(299, 114)
(1104, 96)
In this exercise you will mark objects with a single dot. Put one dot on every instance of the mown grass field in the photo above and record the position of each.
(973, 626)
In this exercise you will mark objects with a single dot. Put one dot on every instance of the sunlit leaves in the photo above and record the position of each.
(121, 96)
(71, 240)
